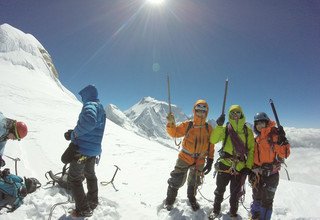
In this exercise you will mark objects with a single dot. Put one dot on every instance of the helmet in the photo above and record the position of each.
(261, 116)
(21, 130)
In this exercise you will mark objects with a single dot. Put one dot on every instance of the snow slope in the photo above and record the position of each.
(33, 96)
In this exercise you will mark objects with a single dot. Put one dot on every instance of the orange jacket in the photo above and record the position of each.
(196, 141)
(266, 148)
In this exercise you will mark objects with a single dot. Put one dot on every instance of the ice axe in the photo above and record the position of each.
(111, 181)
(170, 110)
(169, 96)
(225, 96)
(15, 162)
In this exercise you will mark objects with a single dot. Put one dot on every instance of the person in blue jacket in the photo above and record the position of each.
(86, 137)
(10, 130)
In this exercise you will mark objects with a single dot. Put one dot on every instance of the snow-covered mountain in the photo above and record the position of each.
(147, 118)
(33, 96)
(150, 114)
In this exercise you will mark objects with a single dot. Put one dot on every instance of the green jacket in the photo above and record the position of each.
(219, 134)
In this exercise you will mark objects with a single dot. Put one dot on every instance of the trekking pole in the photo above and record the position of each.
(15, 162)
(111, 181)
(225, 96)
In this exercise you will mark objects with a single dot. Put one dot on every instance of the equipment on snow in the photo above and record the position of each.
(32, 184)
(15, 162)
(106, 183)
(13, 190)
(61, 178)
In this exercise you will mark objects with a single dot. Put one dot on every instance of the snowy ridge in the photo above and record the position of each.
(32, 97)
(25, 50)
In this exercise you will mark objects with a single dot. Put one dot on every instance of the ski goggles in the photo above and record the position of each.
(201, 108)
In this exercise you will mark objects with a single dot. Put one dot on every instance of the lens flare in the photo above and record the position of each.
(155, 2)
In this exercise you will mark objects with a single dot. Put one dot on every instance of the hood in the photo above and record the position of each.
(197, 120)
(236, 125)
(265, 131)
(89, 93)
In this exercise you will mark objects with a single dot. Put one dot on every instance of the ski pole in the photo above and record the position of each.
(275, 112)
(169, 96)
(225, 96)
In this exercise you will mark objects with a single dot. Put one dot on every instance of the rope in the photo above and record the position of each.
(69, 200)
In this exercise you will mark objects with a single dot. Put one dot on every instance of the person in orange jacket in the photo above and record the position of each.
(271, 148)
(196, 148)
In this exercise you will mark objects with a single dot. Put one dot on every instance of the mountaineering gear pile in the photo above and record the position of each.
(12, 191)
(235, 155)
(196, 148)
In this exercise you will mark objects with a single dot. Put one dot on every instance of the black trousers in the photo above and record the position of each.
(223, 179)
(76, 173)
(265, 190)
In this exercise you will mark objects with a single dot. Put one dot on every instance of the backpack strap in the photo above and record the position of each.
(245, 129)
(190, 125)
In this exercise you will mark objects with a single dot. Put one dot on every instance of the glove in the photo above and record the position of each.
(2, 162)
(282, 140)
(246, 171)
(170, 118)
(207, 168)
(221, 119)
(67, 135)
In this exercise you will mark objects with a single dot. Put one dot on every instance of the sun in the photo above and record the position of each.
(155, 2)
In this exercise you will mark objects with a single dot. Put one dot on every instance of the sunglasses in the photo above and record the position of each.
(236, 114)
(201, 107)
(202, 111)
(261, 123)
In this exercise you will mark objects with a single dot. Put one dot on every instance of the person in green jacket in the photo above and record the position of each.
(236, 158)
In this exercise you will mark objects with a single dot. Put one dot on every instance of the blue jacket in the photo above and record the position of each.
(91, 122)
(3, 132)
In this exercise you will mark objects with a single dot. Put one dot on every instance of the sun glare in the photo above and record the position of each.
(155, 2)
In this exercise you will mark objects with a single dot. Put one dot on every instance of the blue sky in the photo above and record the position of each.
(267, 49)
